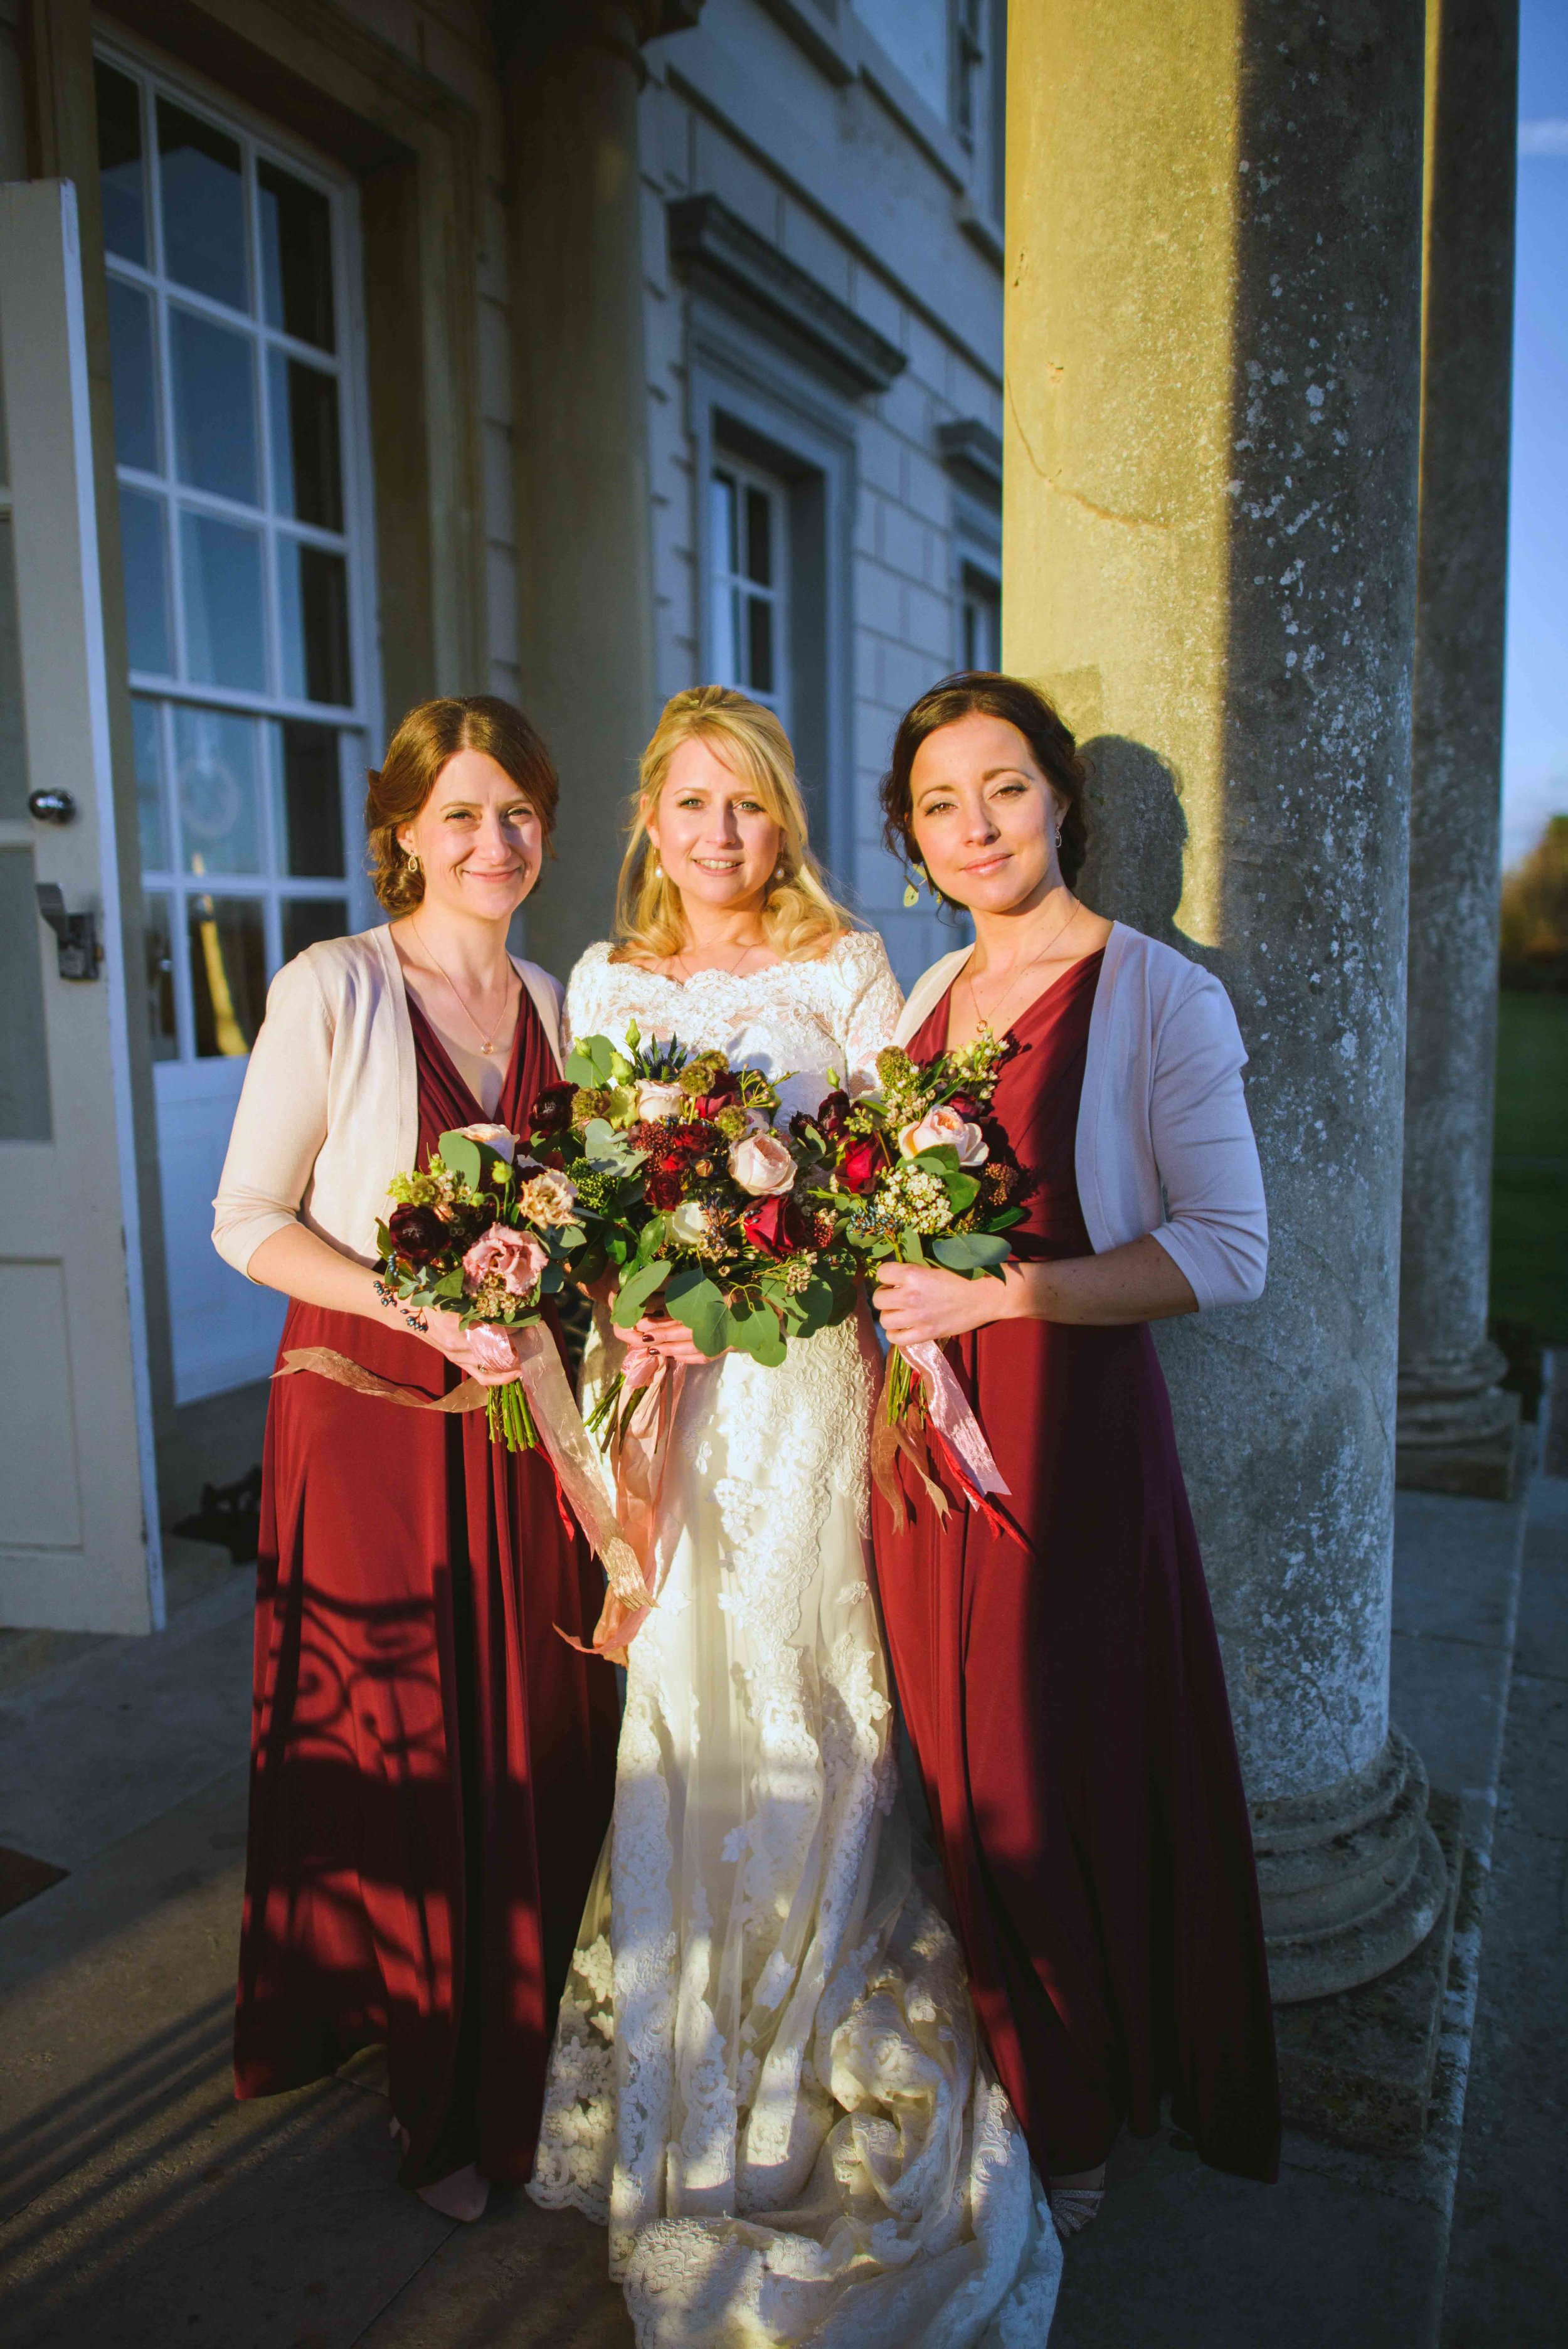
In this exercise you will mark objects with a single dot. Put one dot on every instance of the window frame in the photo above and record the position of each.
(356, 722)
(748, 475)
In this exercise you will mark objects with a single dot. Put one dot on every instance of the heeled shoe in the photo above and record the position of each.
(1073, 2208)
(463, 2194)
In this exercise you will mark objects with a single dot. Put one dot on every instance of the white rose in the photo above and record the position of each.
(761, 1165)
(940, 1128)
(688, 1226)
(494, 1137)
(658, 1104)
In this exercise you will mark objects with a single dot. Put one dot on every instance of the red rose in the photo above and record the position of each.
(724, 1091)
(663, 1183)
(776, 1227)
(966, 1106)
(860, 1165)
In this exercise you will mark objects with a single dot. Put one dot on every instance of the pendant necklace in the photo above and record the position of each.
(1033, 962)
(487, 1043)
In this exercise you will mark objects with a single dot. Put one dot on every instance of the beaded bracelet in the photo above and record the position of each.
(416, 1320)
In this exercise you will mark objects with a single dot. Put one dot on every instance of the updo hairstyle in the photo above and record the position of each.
(991, 695)
(427, 737)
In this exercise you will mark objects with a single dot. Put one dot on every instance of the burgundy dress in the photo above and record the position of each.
(1067, 1708)
(432, 1766)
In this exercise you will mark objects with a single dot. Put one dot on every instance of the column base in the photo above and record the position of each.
(1457, 1431)
(1351, 1877)
(1357, 2069)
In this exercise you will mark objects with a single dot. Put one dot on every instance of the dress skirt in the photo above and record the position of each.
(432, 1765)
(1067, 1704)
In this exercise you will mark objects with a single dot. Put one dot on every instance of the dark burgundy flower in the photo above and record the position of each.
(552, 1111)
(664, 1182)
(860, 1165)
(776, 1227)
(720, 1094)
(418, 1233)
(966, 1106)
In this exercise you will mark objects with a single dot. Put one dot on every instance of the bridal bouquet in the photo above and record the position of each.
(698, 1200)
(487, 1234)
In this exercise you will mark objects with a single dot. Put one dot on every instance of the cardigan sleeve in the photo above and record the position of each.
(1216, 1221)
(281, 1121)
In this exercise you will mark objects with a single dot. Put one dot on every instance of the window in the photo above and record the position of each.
(980, 620)
(747, 520)
(235, 408)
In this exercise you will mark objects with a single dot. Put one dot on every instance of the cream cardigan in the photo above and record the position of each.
(330, 1108)
(1164, 1142)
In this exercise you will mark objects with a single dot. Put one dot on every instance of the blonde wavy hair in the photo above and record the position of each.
(801, 918)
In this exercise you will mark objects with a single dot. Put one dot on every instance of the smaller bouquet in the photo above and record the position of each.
(487, 1234)
(916, 1176)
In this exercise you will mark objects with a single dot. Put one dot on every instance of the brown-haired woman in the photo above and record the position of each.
(1065, 1697)
(431, 1763)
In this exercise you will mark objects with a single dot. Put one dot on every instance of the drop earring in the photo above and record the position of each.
(414, 864)
(912, 887)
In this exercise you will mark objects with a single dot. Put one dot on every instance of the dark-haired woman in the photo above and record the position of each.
(432, 1765)
(1065, 1695)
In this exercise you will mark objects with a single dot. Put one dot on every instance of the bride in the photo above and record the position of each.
(765, 2077)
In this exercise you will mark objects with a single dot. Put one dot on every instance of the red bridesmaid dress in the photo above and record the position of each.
(1067, 1705)
(432, 1766)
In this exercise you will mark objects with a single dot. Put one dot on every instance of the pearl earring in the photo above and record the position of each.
(658, 870)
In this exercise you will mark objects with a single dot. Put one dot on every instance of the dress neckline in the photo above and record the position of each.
(432, 1040)
(1034, 1002)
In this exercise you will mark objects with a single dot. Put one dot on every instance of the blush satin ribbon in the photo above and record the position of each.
(956, 1429)
(640, 1454)
(580, 1471)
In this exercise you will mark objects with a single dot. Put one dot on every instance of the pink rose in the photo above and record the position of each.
(762, 1165)
(940, 1128)
(658, 1104)
(515, 1259)
(499, 1138)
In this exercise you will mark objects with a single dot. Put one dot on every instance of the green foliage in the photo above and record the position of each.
(698, 1302)
(636, 1291)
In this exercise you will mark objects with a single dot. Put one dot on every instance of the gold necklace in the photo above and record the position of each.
(487, 1043)
(987, 1019)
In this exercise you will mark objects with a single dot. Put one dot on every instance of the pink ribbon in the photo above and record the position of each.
(640, 1458)
(956, 1427)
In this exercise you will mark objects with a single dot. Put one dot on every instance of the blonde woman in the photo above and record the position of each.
(765, 2077)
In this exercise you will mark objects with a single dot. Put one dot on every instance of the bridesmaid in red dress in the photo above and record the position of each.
(432, 1765)
(1065, 1697)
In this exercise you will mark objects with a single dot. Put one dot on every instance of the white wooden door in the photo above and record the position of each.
(78, 1517)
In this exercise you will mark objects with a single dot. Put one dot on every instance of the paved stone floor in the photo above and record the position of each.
(141, 2207)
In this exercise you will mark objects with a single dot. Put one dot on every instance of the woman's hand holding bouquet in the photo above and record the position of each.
(473, 1246)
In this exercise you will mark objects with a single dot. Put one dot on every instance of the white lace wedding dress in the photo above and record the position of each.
(765, 2077)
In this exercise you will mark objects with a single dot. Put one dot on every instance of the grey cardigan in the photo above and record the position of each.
(1164, 1142)
(330, 1108)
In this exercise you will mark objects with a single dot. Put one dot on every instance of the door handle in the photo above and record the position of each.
(75, 934)
(51, 807)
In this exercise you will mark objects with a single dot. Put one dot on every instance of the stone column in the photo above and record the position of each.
(581, 443)
(1213, 376)
(1458, 1431)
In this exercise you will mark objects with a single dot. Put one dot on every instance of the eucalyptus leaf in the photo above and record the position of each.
(465, 1157)
(970, 1251)
(758, 1333)
(962, 1192)
(607, 1152)
(698, 1302)
(635, 1292)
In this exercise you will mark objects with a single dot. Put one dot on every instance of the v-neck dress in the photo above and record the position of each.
(432, 1765)
(1067, 1705)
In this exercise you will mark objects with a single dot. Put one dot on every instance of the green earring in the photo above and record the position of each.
(911, 887)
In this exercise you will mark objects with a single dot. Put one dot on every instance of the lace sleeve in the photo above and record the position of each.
(873, 1001)
(584, 994)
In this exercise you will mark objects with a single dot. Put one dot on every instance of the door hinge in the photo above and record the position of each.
(75, 934)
